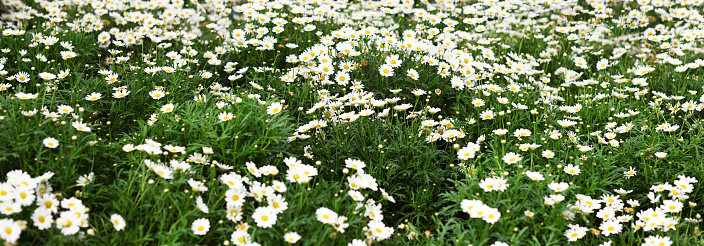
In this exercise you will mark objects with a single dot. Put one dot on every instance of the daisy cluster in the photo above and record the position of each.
(522, 94)
(22, 192)
(359, 181)
(477, 209)
(269, 199)
(661, 215)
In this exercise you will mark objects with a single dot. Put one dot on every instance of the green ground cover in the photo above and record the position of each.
(173, 122)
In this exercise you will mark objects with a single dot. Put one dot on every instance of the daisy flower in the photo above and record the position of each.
(225, 116)
(671, 206)
(274, 108)
(196, 186)
(252, 168)
(469, 206)
(657, 240)
(393, 61)
(488, 184)
(378, 231)
(47, 76)
(201, 205)
(42, 218)
(491, 216)
(240, 237)
(26, 96)
(413, 74)
(7, 192)
(111, 78)
(167, 108)
(511, 158)
(24, 195)
(80, 126)
(10, 230)
(235, 197)
(63, 73)
(120, 93)
(478, 102)
(163, 171)
(572, 170)
(466, 153)
(609, 227)
(157, 94)
(22, 77)
(566, 123)
(386, 70)
(84, 180)
(64, 109)
(529, 213)
(326, 68)
(68, 55)
(93, 96)
(548, 154)
(522, 133)
(342, 78)
(575, 232)
(487, 115)
(602, 64)
(355, 164)
(535, 176)
(118, 222)
(500, 132)
(292, 237)
(630, 173)
(265, 217)
(325, 215)
(277, 203)
(200, 226)
(558, 187)
(278, 186)
(51, 142)
(479, 210)
(403, 107)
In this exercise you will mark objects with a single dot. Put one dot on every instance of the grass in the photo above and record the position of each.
(351, 123)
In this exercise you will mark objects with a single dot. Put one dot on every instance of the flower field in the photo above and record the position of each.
(336, 122)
